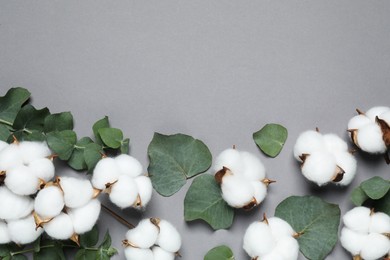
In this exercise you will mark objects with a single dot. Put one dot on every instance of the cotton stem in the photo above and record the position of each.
(117, 217)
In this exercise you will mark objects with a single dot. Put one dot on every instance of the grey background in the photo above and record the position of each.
(217, 70)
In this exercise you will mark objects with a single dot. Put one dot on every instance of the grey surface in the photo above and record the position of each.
(217, 70)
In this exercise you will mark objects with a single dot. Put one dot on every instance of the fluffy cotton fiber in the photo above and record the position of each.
(49, 202)
(77, 192)
(13, 206)
(60, 227)
(85, 217)
(22, 231)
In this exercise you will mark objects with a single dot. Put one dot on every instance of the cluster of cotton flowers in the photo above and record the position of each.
(325, 158)
(370, 131)
(122, 178)
(242, 178)
(152, 239)
(366, 234)
(271, 239)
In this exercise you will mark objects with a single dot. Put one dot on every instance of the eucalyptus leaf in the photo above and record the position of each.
(84, 254)
(29, 118)
(90, 238)
(270, 139)
(112, 137)
(62, 143)
(11, 103)
(49, 250)
(77, 160)
(58, 122)
(102, 123)
(125, 146)
(204, 201)
(375, 187)
(92, 154)
(106, 243)
(383, 204)
(4, 133)
(358, 196)
(220, 253)
(315, 220)
(174, 159)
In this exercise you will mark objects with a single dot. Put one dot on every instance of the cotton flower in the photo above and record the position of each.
(4, 234)
(76, 192)
(85, 217)
(60, 227)
(23, 231)
(13, 206)
(49, 202)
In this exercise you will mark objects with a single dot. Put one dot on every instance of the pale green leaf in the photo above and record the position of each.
(77, 160)
(62, 143)
(220, 253)
(92, 154)
(112, 137)
(376, 187)
(270, 139)
(102, 123)
(358, 196)
(125, 146)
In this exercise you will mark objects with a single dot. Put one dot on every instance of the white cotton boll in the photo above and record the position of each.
(376, 246)
(358, 121)
(347, 162)
(77, 192)
(229, 158)
(308, 142)
(23, 230)
(161, 254)
(260, 191)
(145, 189)
(10, 157)
(380, 223)
(253, 168)
(60, 227)
(106, 171)
(372, 113)
(280, 228)
(386, 117)
(124, 192)
(4, 234)
(258, 240)
(49, 202)
(31, 151)
(358, 219)
(144, 235)
(273, 255)
(319, 167)
(21, 180)
(132, 253)
(352, 241)
(13, 206)
(3, 145)
(85, 217)
(169, 238)
(288, 247)
(237, 192)
(43, 168)
(334, 143)
(370, 139)
(128, 165)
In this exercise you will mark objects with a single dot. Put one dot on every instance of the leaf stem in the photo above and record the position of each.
(28, 250)
(6, 122)
(117, 217)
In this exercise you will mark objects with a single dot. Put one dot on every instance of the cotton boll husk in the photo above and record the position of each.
(31, 151)
(347, 162)
(128, 165)
(237, 192)
(352, 241)
(43, 168)
(373, 112)
(161, 254)
(258, 240)
(288, 247)
(77, 192)
(85, 217)
(3, 145)
(253, 168)
(23, 231)
(60, 227)
(169, 238)
(132, 253)
(144, 235)
(319, 167)
(280, 228)
(49, 202)
(358, 121)
(334, 143)
(370, 139)
(106, 171)
(13, 206)
(358, 219)
(307, 143)
(380, 223)
(4, 234)
(376, 246)
(385, 116)
(10, 157)
(21, 180)
(260, 191)
(145, 189)
(124, 192)
(229, 158)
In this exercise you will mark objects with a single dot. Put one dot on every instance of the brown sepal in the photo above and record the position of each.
(219, 174)
(96, 193)
(156, 222)
(359, 111)
(138, 201)
(127, 243)
(39, 221)
(265, 219)
(357, 257)
(250, 205)
(298, 234)
(339, 174)
(2, 177)
(75, 238)
(385, 130)
(353, 133)
(303, 157)
(267, 182)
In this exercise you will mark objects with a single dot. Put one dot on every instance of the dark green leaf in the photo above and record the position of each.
(174, 159)
(4, 250)
(29, 118)
(317, 220)
(383, 204)
(204, 201)
(219, 253)
(376, 187)
(4, 133)
(102, 123)
(62, 143)
(92, 154)
(77, 160)
(84, 254)
(125, 146)
(106, 241)
(58, 122)
(112, 137)
(358, 196)
(90, 238)
(50, 250)
(270, 139)
(11, 103)
(37, 244)
(18, 257)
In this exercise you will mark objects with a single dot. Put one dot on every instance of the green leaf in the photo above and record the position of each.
(29, 118)
(358, 196)
(4, 250)
(105, 250)
(125, 146)
(62, 143)
(106, 241)
(112, 137)
(84, 254)
(383, 204)
(375, 187)
(4, 133)
(270, 139)
(58, 122)
(92, 154)
(102, 123)
(317, 220)
(50, 250)
(77, 160)
(219, 253)
(174, 159)
(204, 201)
(11, 103)
(90, 238)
